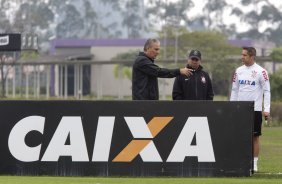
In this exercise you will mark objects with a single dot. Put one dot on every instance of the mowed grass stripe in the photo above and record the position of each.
(110, 180)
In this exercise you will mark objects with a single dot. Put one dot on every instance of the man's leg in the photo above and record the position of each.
(257, 134)
(256, 152)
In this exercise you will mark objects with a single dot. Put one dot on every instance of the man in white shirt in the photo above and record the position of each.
(251, 83)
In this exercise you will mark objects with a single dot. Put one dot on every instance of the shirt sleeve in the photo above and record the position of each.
(266, 91)
(235, 87)
(152, 69)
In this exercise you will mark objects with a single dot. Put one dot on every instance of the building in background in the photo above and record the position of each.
(101, 80)
(97, 55)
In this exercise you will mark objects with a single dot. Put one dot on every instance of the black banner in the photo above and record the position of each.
(126, 138)
(10, 42)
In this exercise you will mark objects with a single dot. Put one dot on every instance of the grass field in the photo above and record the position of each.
(270, 170)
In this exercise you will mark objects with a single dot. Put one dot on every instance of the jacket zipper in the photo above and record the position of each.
(196, 85)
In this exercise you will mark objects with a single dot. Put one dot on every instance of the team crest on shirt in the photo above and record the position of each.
(203, 79)
(254, 74)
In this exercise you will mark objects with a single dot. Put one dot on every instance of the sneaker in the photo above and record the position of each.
(255, 168)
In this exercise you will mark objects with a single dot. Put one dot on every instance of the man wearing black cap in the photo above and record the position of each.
(194, 87)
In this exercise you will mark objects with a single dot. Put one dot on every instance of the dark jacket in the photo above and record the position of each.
(145, 78)
(195, 87)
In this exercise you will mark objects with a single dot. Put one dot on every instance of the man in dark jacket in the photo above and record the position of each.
(145, 72)
(195, 87)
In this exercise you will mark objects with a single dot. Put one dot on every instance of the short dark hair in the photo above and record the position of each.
(149, 42)
(251, 51)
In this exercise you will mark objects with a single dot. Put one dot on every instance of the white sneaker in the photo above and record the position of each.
(255, 168)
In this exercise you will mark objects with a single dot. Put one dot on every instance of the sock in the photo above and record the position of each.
(255, 163)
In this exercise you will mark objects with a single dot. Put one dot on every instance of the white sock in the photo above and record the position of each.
(255, 163)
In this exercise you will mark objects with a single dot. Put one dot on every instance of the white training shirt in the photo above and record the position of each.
(251, 83)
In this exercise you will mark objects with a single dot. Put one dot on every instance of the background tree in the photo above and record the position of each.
(124, 71)
(107, 9)
(7, 61)
(261, 12)
(33, 16)
(213, 13)
(133, 16)
(276, 54)
(92, 25)
(132, 19)
(276, 57)
(4, 21)
(276, 85)
(169, 12)
(72, 23)
(216, 54)
(86, 19)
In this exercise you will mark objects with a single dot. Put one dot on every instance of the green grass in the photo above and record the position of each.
(270, 167)
(270, 159)
(98, 180)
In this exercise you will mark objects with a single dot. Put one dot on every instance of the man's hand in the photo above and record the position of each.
(266, 117)
(186, 71)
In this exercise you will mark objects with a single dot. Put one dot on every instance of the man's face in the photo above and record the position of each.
(194, 62)
(154, 50)
(246, 58)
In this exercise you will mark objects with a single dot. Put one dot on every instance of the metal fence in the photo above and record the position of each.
(78, 79)
(71, 79)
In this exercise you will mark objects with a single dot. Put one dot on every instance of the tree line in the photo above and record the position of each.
(137, 18)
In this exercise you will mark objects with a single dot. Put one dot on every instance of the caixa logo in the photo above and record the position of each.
(142, 143)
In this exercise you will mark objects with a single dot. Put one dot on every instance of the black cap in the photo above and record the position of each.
(195, 54)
